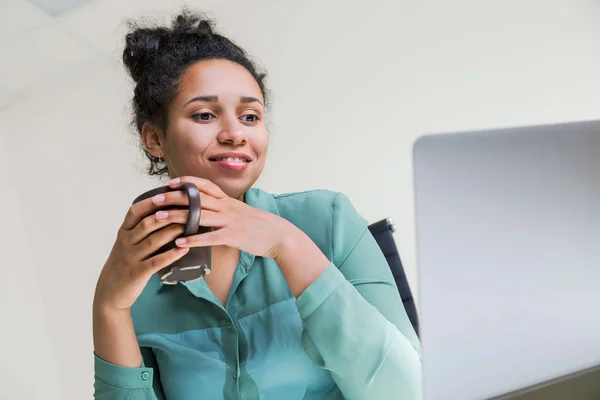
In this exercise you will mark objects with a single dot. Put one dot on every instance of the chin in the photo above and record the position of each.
(234, 190)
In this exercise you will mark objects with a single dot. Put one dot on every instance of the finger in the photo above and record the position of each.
(179, 198)
(140, 210)
(137, 212)
(159, 261)
(144, 208)
(204, 185)
(212, 238)
(147, 226)
(158, 239)
(207, 218)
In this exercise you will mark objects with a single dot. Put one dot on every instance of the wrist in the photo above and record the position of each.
(104, 309)
(290, 240)
(300, 260)
(114, 336)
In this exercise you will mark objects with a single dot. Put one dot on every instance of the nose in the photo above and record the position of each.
(232, 132)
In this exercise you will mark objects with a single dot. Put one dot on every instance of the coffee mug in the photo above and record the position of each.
(196, 263)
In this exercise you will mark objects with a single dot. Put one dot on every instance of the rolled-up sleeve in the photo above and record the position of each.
(354, 320)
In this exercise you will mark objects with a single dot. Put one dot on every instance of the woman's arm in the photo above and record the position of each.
(114, 337)
(354, 321)
(118, 364)
(353, 317)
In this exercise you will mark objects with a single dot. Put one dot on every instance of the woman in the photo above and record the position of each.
(300, 303)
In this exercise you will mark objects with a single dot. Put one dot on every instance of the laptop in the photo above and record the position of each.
(508, 246)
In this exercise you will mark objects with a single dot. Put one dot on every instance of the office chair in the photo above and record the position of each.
(382, 232)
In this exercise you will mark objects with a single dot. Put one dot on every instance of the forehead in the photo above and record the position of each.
(221, 78)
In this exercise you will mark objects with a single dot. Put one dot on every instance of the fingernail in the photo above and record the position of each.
(162, 215)
(158, 199)
(180, 241)
(181, 249)
(174, 181)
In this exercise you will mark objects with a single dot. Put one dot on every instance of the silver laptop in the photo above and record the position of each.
(508, 238)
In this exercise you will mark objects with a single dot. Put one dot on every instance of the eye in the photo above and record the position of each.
(205, 116)
(250, 118)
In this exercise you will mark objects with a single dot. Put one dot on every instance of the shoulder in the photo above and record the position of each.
(328, 217)
(324, 206)
(309, 202)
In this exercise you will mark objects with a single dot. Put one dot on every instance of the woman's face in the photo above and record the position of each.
(216, 127)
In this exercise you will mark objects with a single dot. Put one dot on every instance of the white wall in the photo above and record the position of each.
(27, 343)
(354, 84)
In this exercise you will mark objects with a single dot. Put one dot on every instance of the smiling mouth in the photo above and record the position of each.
(229, 159)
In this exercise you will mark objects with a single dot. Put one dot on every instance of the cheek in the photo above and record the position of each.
(191, 138)
(261, 143)
(195, 142)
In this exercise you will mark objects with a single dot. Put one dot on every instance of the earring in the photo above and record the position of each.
(160, 160)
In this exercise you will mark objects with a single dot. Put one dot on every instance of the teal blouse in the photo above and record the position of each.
(346, 336)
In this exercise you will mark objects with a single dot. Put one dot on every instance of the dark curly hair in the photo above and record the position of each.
(156, 58)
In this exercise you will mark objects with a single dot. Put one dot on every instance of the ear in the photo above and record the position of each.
(152, 139)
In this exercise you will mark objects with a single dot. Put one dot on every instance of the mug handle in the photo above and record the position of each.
(194, 209)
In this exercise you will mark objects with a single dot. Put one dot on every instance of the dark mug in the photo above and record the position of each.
(196, 263)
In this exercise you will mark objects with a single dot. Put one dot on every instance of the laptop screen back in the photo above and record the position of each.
(508, 236)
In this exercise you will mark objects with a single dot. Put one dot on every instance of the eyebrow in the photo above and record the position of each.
(250, 99)
(213, 99)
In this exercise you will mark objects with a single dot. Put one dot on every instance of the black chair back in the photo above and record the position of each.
(382, 232)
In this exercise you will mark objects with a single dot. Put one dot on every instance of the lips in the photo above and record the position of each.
(231, 161)
(231, 157)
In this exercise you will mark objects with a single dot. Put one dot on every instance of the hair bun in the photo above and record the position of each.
(193, 23)
(143, 44)
(141, 47)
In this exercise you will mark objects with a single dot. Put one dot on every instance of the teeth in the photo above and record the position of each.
(231, 159)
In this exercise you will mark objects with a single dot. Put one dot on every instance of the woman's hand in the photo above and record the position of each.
(235, 223)
(130, 263)
(238, 225)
